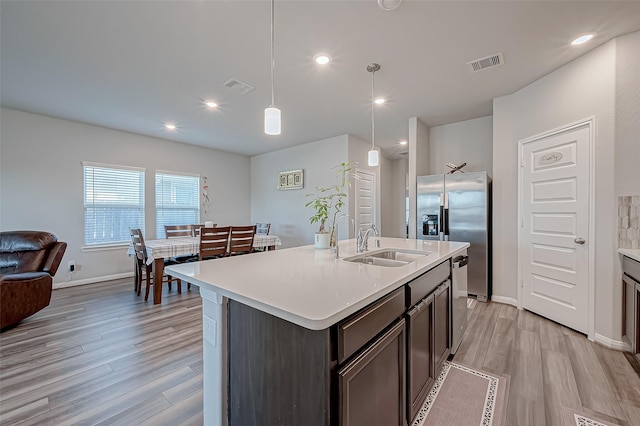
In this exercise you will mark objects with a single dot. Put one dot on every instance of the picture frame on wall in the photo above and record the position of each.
(292, 179)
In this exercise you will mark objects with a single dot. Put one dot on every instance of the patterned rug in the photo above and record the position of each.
(462, 396)
(577, 418)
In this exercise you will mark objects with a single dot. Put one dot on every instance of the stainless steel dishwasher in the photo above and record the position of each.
(458, 300)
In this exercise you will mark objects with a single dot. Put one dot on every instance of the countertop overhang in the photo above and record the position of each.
(632, 253)
(308, 287)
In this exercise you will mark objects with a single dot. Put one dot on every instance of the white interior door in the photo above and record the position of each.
(554, 233)
(365, 189)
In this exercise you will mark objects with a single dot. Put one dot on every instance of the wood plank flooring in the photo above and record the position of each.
(550, 368)
(101, 355)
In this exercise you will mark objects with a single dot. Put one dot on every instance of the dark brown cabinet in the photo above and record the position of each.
(441, 327)
(372, 385)
(428, 333)
(631, 304)
(374, 368)
(420, 355)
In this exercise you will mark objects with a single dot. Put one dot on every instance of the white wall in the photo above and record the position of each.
(628, 115)
(469, 141)
(286, 210)
(394, 212)
(41, 181)
(579, 90)
(418, 165)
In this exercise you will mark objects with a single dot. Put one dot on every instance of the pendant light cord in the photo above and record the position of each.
(272, 61)
(373, 125)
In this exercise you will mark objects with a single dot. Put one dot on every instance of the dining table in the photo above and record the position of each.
(163, 248)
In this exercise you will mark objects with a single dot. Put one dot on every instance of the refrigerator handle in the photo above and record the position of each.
(445, 218)
(441, 218)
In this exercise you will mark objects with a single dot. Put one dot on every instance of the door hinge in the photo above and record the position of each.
(521, 223)
(521, 283)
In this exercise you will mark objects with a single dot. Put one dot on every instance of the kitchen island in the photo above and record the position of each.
(285, 305)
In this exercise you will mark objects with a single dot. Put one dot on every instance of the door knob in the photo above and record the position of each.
(579, 240)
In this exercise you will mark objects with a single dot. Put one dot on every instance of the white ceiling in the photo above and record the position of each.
(134, 65)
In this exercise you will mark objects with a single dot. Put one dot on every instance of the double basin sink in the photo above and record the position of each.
(388, 257)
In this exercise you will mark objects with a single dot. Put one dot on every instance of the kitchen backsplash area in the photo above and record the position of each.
(628, 218)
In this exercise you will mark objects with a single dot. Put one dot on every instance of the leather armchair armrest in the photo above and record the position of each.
(23, 277)
(52, 262)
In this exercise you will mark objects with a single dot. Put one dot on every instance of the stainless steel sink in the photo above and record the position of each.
(388, 257)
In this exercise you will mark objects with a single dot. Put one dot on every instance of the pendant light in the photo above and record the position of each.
(272, 117)
(373, 160)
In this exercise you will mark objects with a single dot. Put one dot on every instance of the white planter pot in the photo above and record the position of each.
(322, 241)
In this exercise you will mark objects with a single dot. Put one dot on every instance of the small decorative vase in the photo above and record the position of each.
(322, 240)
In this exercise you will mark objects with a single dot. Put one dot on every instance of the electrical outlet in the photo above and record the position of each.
(209, 329)
(72, 265)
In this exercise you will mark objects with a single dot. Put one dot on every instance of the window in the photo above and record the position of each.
(177, 200)
(113, 203)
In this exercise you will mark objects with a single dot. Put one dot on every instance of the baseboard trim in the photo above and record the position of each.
(617, 345)
(92, 280)
(506, 300)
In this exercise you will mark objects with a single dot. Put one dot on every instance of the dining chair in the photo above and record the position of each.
(178, 231)
(196, 228)
(214, 242)
(241, 240)
(263, 228)
(142, 264)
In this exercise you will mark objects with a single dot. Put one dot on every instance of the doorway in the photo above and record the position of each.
(555, 254)
(366, 199)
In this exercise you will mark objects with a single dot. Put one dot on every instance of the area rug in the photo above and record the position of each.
(577, 418)
(462, 396)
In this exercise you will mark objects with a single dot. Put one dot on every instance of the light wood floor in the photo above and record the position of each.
(101, 355)
(550, 368)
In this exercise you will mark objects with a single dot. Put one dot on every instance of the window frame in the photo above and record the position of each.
(159, 208)
(140, 206)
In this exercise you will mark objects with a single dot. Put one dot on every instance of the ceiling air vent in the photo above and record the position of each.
(484, 63)
(239, 86)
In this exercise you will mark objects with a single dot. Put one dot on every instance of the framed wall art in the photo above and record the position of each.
(293, 179)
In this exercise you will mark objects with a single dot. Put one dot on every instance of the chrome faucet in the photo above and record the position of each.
(363, 237)
(335, 249)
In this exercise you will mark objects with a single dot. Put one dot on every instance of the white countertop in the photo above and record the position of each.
(307, 286)
(632, 253)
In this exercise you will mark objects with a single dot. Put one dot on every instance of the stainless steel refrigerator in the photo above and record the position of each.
(457, 207)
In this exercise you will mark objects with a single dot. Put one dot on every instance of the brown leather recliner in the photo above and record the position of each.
(28, 262)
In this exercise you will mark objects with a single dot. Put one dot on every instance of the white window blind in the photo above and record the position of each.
(177, 200)
(113, 203)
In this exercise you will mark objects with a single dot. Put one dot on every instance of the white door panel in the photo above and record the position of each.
(555, 212)
(365, 189)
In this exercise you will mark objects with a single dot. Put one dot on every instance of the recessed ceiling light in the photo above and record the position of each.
(322, 59)
(379, 101)
(170, 126)
(211, 104)
(582, 39)
(403, 142)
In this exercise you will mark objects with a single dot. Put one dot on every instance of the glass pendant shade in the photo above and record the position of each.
(272, 121)
(373, 158)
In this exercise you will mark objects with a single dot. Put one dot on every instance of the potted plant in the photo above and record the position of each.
(328, 202)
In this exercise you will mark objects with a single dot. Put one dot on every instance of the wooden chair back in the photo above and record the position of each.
(214, 242)
(196, 228)
(178, 231)
(138, 245)
(241, 239)
(263, 228)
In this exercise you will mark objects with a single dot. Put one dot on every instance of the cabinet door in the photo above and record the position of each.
(637, 350)
(420, 362)
(441, 322)
(628, 311)
(372, 385)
